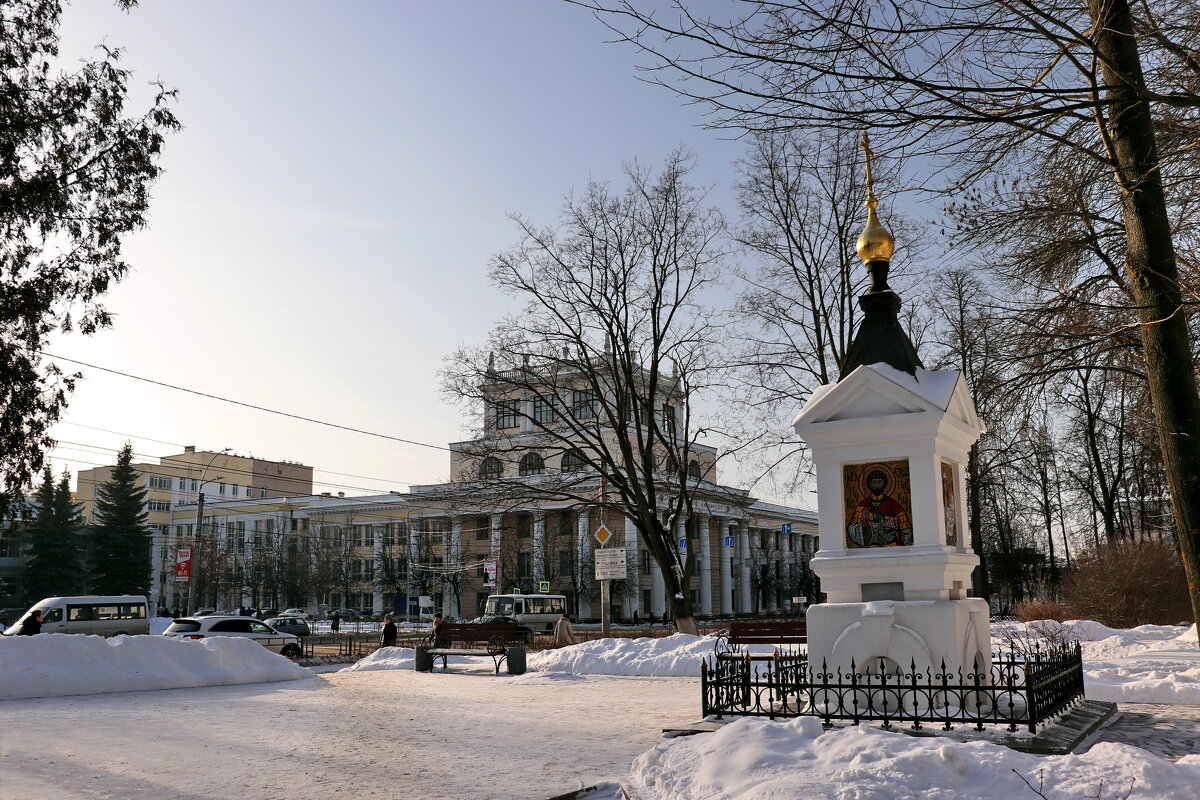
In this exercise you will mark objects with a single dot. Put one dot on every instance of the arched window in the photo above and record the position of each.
(532, 464)
(694, 469)
(573, 461)
(491, 469)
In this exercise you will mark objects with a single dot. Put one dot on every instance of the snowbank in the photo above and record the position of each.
(1147, 664)
(56, 664)
(385, 658)
(675, 656)
(755, 759)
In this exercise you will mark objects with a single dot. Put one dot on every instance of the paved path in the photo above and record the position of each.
(1168, 731)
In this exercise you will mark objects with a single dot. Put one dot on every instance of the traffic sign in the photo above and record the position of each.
(602, 535)
(610, 564)
(683, 544)
(730, 541)
(786, 527)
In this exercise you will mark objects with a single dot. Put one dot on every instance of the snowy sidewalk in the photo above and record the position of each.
(1168, 731)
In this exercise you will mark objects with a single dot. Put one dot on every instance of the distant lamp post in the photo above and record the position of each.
(200, 529)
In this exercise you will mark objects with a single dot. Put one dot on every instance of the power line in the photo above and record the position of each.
(248, 405)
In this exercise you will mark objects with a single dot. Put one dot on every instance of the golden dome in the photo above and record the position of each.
(875, 243)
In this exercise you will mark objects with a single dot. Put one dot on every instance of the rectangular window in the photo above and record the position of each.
(262, 492)
(369, 570)
(524, 526)
(480, 572)
(584, 404)
(368, 536)
(356, 569)
(507, 412)
(543, 410)
(524, 564)
(668, 420)
(234, 490)
(222, 491)
(482, 531)
(564, 562)
(159, 505)
(159, 483)
(645, 562)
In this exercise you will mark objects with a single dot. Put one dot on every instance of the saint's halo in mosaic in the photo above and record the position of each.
(878, 504)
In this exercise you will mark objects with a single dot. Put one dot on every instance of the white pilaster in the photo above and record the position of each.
(539, 545)
(583, 567)
(746, 604)
(704, 528)
(450, 600)
(726, 581)
(497, 521)
(633, 579)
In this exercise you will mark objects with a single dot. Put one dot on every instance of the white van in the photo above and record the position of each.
(102, 615)
(536, 611)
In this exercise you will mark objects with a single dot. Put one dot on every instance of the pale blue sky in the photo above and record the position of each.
(320, 237)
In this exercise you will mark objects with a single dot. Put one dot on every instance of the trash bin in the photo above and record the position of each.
(515, 656)
(423, 662)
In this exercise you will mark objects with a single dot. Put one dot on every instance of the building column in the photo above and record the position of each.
(583, 567)
(377, 553)
(746, 602)
(633, 578)
(497, 521)
(658, 590)
(704, 567)
(539, 545)
(450, 600)
(725, 584)
(685, 585)
(786, 587)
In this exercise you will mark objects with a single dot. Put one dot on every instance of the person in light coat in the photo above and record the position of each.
(562, 632)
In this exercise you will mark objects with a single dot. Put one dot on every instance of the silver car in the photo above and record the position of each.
(247, 627)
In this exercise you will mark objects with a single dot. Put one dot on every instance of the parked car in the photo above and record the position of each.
(524, 632)
(293, 625)
(295, 612)
(286, 644)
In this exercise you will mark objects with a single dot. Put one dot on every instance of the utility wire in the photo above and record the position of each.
(248, 405)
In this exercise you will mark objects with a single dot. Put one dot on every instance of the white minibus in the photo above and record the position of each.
(102, 615)
(536, 611)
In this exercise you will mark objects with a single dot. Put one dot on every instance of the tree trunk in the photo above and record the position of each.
(979, 577)
(1154, 277)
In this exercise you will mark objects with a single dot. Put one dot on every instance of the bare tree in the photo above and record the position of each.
(978, 84)
(586, 392)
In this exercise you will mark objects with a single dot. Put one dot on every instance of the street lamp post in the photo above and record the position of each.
(200, 529)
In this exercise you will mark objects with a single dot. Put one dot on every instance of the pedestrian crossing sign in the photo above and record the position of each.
(544, 587)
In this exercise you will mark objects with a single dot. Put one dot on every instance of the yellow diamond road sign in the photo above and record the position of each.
(603, 534)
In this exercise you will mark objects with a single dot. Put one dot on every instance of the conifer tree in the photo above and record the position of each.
(53, 567)
(120, 553)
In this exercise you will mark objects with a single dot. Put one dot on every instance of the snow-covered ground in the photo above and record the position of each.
(581, 715)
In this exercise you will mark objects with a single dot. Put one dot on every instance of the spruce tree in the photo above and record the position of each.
(120, 552)
(51, 565)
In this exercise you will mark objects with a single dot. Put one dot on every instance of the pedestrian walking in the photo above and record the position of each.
(388, 639)
(33, 625)
(562, 632)
(335, 621)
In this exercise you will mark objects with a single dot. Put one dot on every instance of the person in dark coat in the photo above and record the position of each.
(33, 625)
(335, 621)
(388, 639)
(435, 631)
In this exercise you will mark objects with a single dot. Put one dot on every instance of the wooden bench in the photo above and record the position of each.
(744, 633)
(500, 641)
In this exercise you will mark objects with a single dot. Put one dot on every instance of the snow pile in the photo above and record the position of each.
(755, 759)
(385, 658)
(56, 664)
(675, 656)
(1147, 664)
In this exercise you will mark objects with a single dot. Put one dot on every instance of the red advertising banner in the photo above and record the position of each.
(183, 565)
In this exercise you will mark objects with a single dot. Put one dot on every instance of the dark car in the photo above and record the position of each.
(292, 625)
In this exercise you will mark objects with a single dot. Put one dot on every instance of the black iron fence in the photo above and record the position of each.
(1025, 688)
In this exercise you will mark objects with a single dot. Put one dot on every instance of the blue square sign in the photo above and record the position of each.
(786, 527)
(683, 544)
(730, 541)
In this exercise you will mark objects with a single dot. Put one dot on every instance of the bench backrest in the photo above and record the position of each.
(788, 632)
(464, 632)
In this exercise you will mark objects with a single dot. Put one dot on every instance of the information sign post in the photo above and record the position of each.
(610, 564)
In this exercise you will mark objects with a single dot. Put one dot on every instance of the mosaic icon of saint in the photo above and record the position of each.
(878, 520)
